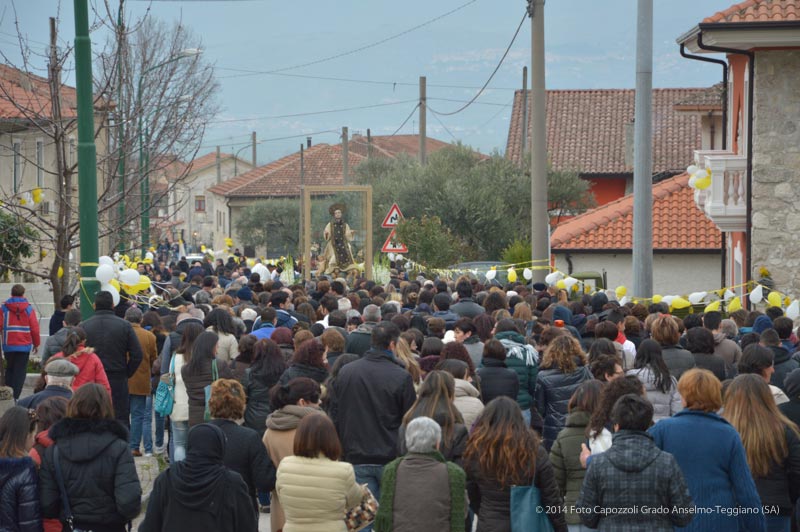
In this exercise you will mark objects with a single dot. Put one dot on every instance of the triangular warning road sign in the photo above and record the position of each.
(392, 246)
(393, 217)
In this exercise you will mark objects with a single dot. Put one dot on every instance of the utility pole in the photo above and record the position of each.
(423, 127)
(121, 129)
(369, 144)
(219, 166)
(345, 155)
(253, 137)
(302, 199)
(540, 222)
(524, 112)
(642, 154)
(87, 159)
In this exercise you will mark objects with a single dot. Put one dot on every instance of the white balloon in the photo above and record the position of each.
(668, 299)
(120, 267)
(623, 301)
(552, 278)
(113, 291)
(149, 255)
(390, 256)
(491, 275)
(569, 282)
(693, 181)
(728, 295)
(105, 259)
(104, 273)
(757, 295)
(793, 310)
(115, 256)
(527, 274)
(697, 297)
(691, 169)
(129, 276)
(701, 174)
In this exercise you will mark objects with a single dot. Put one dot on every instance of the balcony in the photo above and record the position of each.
(725, 201)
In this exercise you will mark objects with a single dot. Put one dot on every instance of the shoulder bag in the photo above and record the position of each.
(527, 511)
(207, 389)
(165, 393)
(67, 511)
(364, 513)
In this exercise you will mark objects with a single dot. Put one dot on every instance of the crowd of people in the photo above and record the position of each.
(419, 405)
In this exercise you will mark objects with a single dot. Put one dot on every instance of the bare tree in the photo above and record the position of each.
(153, 101)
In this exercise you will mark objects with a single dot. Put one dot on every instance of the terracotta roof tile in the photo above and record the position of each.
(677, 223)
(322, 166)
(392, 146)
(32, 93)
(586, 129)
(201, 163)
(758, 11)
(707, 99)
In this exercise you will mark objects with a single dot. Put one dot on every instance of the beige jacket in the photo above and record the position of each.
(315, 493)
(228, 347)
(467, 401)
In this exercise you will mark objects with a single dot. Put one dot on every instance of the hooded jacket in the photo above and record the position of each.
(497, 380)
(634, 473)
(258, 406)
(19, 326)
(524, 361)
(784, 364)
(90, 368)
(19, 496)
(360, 340)
(727, 349)
(467, 401)
(98, 471)
(565, 457)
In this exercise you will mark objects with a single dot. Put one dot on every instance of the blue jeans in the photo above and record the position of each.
(141, 422)
(778, 523)
(159, 429)
(370, 474)
(180, 433)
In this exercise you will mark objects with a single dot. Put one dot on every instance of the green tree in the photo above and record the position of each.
(271, 223)
(429, 242)
(567, 193)
(15, 242)
(517, 252)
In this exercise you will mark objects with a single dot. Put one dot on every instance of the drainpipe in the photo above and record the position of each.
(724, 65)
(751, 70)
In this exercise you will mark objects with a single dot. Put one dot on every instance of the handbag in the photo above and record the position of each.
(207, 389)
(527, 512)
(68, 517)
(165, 393)
(363, 514)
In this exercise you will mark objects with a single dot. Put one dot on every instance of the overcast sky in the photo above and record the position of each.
(589, 44)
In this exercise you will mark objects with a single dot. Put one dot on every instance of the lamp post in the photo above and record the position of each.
(144, 178)
(87, 159)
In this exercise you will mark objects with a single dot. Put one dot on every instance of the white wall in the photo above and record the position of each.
(673, 274)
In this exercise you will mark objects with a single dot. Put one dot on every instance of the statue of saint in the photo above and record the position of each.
(337, 254)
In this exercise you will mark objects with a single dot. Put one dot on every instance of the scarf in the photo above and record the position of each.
(384, 521)
(196, 480)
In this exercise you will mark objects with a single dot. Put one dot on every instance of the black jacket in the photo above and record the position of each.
(791, 409)
(113, 338)
(32, 401)
(258, 406)
(56, 321)
(359, 341)
(195, 388)
(467, 308)
(553, 391)
(98, 471)
(678, 360)
(304, 370)
(497, 380)
(19, 496)
(634, 473)
(246, 455)
(715, 364)
(492, 502)
(781, 486)
(370, 397)
(784, 364)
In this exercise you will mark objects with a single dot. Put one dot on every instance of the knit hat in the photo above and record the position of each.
(249, 314)
(245, 294)
(791, 384)
(60, 367)
(761, 324)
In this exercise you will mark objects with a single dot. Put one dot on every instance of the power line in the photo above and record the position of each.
(445, 127)
(494, 115)
(477, 95)
(496, 104)
(315, 112)
(366, 46)
(299, 135)
(406, 120)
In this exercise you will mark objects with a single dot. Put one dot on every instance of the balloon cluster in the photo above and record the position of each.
(117, 275)
(699, 178)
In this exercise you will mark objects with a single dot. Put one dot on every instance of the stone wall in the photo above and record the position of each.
(776, 169)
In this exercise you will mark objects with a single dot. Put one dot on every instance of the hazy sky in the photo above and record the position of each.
(589, 44)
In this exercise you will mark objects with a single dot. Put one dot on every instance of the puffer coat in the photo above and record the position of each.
(553, 391)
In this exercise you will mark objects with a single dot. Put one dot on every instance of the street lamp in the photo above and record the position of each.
(144, 178)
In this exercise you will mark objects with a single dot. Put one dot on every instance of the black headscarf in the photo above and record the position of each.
(195, 479)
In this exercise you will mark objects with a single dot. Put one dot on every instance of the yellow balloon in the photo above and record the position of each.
(734, 305)
(620, 292)
(775, 299)
(702, 184)
(60, 272)
(130, 288)
(574, 288)
(657, 298)
(203, 249)
(114, 283)
(143, 284)
(561, 284)
(712, 307)
(512, 276)
(679, 303)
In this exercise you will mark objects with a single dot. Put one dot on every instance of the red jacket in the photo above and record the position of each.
(19, 326)
(43, 441)
(91, 369)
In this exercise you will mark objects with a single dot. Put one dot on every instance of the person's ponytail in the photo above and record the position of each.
(75, 337)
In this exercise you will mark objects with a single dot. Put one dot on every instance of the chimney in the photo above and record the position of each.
(629, 144)
(308, 142)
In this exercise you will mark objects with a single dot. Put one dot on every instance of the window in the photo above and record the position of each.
(200, 204)
(17, 147)
(39, 163)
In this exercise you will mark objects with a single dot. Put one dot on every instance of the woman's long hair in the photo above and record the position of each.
(564, 353)
(220, 321)
(15, 427)
(190, 333)
(203, 352)
(608, 396)
(502, 445)
(268, 362)
(435, 400)
(76, 337)
(649, 355)
(404, 354)
(751, 409)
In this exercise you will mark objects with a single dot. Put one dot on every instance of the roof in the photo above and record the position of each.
(201, 163)
(677, 223)
(322, 165)
(587, 129)
(709, 99)
(32, 93)
(757, 11)
(393, 145)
